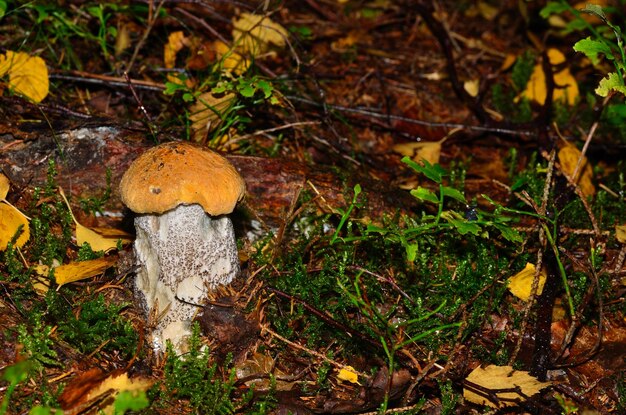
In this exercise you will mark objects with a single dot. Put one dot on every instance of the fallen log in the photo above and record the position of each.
(83, 156)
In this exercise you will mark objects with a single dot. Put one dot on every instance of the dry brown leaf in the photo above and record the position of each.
(4, 186)
(620, 233)
(262, 364)
(568, 158)
(10, 220)
(502, 377)
(207, 112)
(28, 75)
(521, 283)
(253, 34)
(81, 270)
(566, 87)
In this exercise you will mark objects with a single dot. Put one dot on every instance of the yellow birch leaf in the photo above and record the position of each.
(80, 270)
(566, 87)
(10, 221)
(97, 241)
(207, 112)
(502, 377)
(620, 233)
(348, 374)
(253, 34)
(568, 158)
(4, 186)
(521, 283)
(28, 75)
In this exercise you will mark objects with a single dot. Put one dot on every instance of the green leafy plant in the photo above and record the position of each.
(597, 45)
(473, 221)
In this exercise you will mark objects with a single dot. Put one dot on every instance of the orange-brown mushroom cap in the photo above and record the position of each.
(177, 173)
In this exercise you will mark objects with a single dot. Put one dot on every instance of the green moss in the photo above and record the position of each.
(96, 325)
(206, 386)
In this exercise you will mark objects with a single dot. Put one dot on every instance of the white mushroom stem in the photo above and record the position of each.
(182, 254)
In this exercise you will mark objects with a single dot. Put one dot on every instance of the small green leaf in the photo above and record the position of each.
(464, 227)
(3, 8)
(265, 87)
(553, 7)
(433, 172)
(247, 90)
(18, 372)
(411, 251)
(508, 233)
(611, 83)
(593, 48)
(425, 195)
(128, 401)
(453, 193)
(595, 9)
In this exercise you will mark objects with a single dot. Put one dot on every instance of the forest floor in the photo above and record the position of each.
(434, 219)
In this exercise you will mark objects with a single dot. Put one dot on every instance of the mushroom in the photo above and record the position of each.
(185, 243)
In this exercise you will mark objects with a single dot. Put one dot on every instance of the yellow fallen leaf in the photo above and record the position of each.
(566, 87)
(28, 75)
(620, 233)
(175, 43)
(253, 34)
(521, 283)
(207, 112)
(10, 220)
(472, 87)
(423, 150)
(80, 270)
(230, 59)
(4, 186)
(348, 374)
(568, 158)
(97, 240)
(501, 377)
